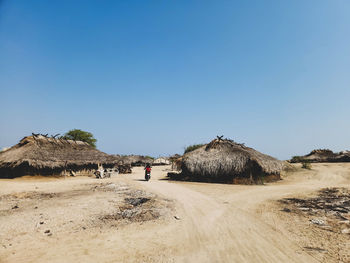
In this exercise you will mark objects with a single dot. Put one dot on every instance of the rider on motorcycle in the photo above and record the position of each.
(148, 170)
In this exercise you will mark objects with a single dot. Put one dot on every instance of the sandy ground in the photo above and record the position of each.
(182, 222)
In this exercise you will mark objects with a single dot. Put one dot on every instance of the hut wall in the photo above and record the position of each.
(26, 169)
(253, 174)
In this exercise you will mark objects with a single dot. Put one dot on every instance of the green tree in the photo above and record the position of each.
(192, 148)
(79, 135)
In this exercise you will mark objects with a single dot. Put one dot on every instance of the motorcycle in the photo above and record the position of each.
(147, 175)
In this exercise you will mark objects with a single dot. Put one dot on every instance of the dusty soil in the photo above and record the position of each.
(324, 220)
(125, 219)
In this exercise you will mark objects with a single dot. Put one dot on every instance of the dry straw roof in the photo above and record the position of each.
(223, 157)
(42, 152)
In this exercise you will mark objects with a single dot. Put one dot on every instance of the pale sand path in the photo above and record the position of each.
(218, 223)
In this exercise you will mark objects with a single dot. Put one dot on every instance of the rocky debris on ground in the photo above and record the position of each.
(110, 187)
(121, 204)
(136, 201)
(136, 207)
(330, 209)
(317, 221)
(134, 213)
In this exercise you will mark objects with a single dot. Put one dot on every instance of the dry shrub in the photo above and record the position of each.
(306, 165)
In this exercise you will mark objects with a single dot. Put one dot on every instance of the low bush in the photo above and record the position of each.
(306, 165)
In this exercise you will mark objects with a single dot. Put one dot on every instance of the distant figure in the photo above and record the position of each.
(100, 173)
(148, 172)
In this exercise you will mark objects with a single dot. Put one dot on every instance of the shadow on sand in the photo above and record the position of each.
(160, 179)
(140, 180)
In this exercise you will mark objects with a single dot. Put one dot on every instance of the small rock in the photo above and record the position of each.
(47, 231)
(42, 222)
(177, 218)
(317, 221)
(36, 207)
(316, 249)
(346, 231)
(15, 207)
(304, 208)
(286, 210)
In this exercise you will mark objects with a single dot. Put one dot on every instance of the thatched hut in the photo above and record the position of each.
(176, 161)
(323, 156)
(40, 155)
(137, 160)
(161, 161)
(223, 160)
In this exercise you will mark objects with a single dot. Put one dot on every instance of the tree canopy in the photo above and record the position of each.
(192, 148)
(79, 135)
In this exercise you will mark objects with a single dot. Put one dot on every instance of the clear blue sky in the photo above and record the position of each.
(150, 77)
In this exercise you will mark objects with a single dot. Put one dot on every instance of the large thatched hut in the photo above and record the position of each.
(40, 155)
(223, 160)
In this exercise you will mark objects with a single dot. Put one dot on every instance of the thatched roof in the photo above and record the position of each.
(322, 156)
(174, 157)
(136, 160)
(41, 152)
(223, 158)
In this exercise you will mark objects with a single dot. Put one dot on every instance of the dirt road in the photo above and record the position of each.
(209, 222)
(223, 223)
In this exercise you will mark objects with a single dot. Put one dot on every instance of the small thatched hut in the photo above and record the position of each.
(39, 155)
(137, 160)
(323, 156)
(161, 161)
(176, 161)
(223, 160)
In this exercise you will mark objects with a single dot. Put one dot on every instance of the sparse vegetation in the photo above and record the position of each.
(296, 159)
(192, 148)
(306, 165)
(79, 135)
